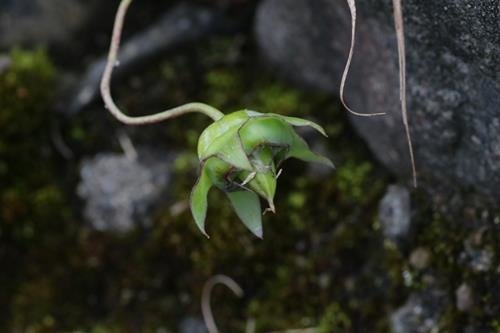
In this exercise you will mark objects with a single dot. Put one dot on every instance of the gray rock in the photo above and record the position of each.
(464, 297)
(419, 258)
(5, 63)
(41, 22)
(479, 260)
(394, 213)
(182, 25)
(453, 55)
(120, 191)
(476, 255)
(420, 314)
(192, 325)
(477, 329)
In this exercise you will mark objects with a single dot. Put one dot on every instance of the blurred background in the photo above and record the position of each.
(95, 229)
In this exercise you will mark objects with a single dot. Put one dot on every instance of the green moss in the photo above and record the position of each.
(323, 261)
(34, 215)
(279, 98)
(355, 181)
(317, 230)
(334, 320)
(25, 89)
(450, 237)
(495, 325)
(219, 82)
(321, 255)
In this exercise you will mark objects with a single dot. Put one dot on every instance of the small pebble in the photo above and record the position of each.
(420, 258)
(464, 297)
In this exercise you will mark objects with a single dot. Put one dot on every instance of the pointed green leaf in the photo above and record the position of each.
(233, 153)
(198, 200)
(265, 130)
(301, 150)
(228, 147)
(247, 207)
(294, 121)
(264, 184)
(218, 128)
(308, 156)
(218, 171)
(252, 113)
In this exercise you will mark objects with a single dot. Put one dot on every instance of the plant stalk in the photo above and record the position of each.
(400, 34)
(106, 80)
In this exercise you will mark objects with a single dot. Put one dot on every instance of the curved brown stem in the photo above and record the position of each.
(352, 9)
(106, 80)
(398, 23)
(206, 308)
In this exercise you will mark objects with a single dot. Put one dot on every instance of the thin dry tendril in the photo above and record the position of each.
(106, 80)
(352, 9)
(398, 23)
(400, 34)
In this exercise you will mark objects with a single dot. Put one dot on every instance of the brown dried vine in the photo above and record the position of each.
(110, 104)
(216, 114)
(399, 26)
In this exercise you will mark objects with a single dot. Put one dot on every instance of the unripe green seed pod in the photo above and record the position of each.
(240, 154)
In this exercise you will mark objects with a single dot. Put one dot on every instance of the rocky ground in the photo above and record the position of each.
(95, 234)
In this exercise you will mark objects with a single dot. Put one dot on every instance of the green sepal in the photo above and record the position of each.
(241, 151)
(301, 150)
(198, 200)
(294, 121)
(247, 206)
(298, 122)
(263, 181)
(264, 184)
(221, 139)
(227, 123)
(265, 131)
(228, 147)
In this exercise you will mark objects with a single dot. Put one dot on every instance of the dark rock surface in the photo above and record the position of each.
(192, 325)
(394, 213)
(181, 25)
(453, 54)
(41, 22)
(464, 296)
(420, 314)
(475, 255)
(120, 191)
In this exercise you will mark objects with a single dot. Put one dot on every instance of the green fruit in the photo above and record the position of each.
(240, 154)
